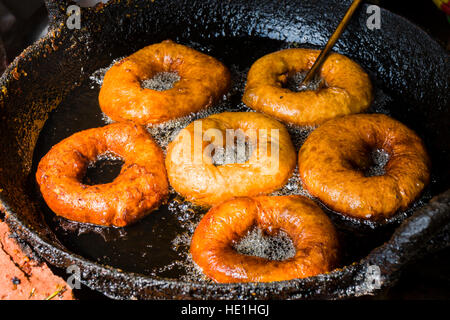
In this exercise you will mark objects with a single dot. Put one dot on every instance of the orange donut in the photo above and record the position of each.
(348, 88)
(193, 173)
(203, 80)
(140, 187)
(333, 159)
(310, 230)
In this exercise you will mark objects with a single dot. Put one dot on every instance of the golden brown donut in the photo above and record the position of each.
(348, 88)
(310, 230)
(194, 175)
(203, 81)
(333, 159)
(139, 188)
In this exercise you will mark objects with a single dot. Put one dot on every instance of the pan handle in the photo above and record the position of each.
(424, 232)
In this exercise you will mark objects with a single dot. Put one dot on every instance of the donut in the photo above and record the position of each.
(193, 173)
(203, 80)
(311, 231)
(333, 160)
(139, 188)
(347, 87)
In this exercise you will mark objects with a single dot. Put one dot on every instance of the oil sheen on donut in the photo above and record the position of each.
(333, 159)
(140, 187)
(203, 80)
(194, 175)
(311, 231)
(347, 88)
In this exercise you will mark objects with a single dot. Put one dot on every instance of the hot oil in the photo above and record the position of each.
(161, 81)
(380, 158)
(294, 83)
(257, 243)
(158, 245)
(104, 169)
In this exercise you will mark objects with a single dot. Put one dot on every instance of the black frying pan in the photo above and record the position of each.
(406, 65)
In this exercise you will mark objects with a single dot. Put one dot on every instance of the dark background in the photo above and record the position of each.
(24, 21)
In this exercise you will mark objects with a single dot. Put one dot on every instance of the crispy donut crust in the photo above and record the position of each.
(206, 184)
(311, 231)
(139, 188)
(203, 81)
(333, 156)
(348, 89)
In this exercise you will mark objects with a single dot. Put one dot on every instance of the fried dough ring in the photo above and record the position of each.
(348, 89)
(203, 81)
(193, 174)
(310, 230)
(332, 160)
(138, 189)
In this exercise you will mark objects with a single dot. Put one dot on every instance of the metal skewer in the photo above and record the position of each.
(334, 37)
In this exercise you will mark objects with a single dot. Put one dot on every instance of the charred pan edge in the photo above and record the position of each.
(116, 22)
(413, 239)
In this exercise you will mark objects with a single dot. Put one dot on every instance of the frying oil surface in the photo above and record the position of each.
(158, 245)
(256, 243)
(161, 81)
(294, 83)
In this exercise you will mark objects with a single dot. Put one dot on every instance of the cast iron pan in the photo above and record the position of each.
(409, 69)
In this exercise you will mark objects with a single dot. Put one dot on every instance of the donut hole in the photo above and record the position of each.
(259, 243)
(238, 151)
(104, 169)
(161, 81)
(378, 160)
(374, 164)
(293, 82)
